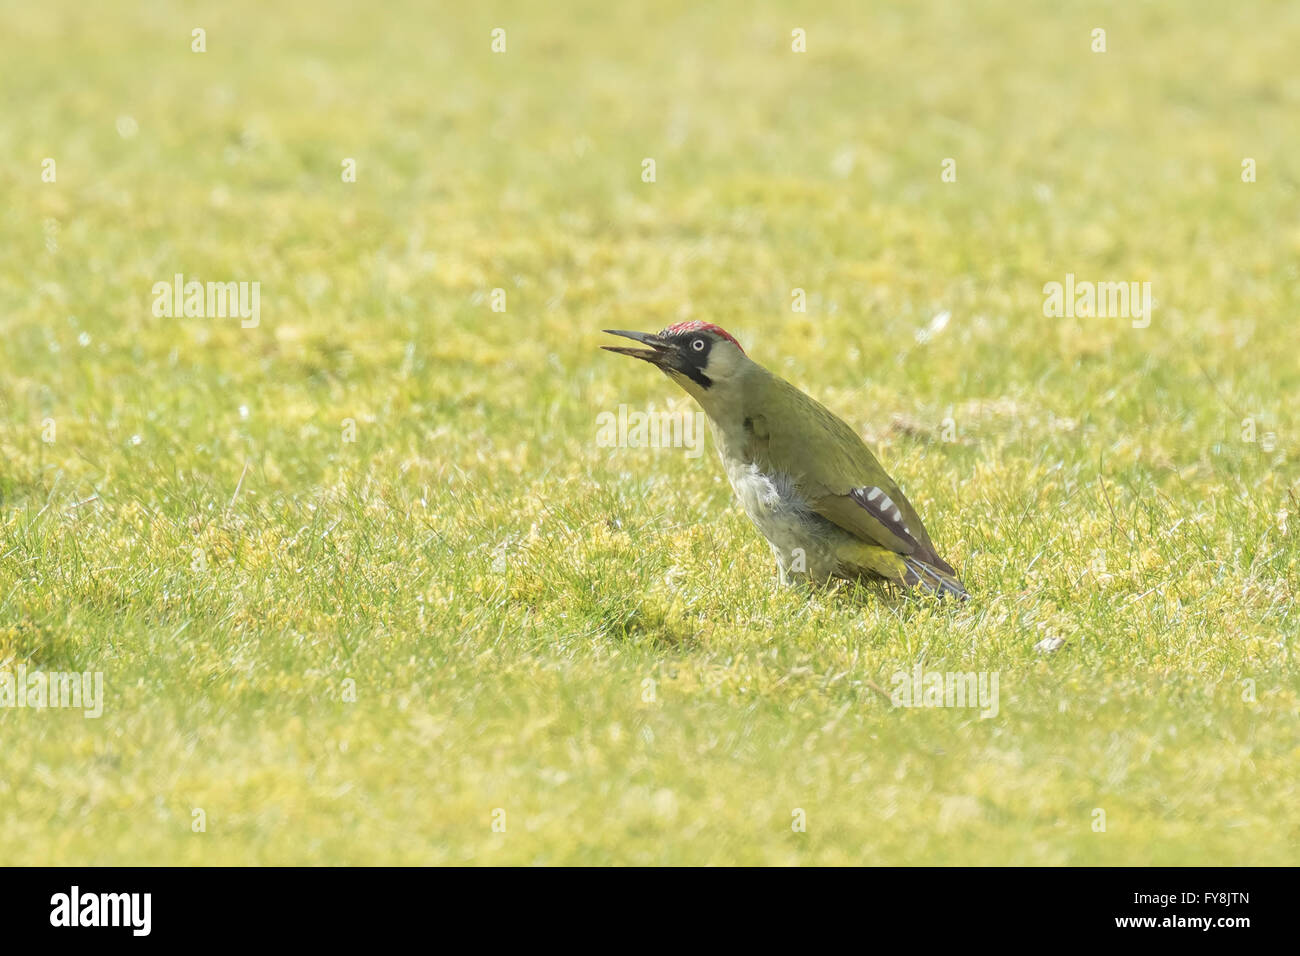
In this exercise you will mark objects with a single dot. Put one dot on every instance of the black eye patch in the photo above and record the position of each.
(695, 350)
(693, 356)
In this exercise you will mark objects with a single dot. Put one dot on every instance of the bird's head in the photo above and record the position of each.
(702, 358)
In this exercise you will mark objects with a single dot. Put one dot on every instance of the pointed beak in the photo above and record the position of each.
(660, 353)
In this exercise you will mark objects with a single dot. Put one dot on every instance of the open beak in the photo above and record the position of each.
(660, 354)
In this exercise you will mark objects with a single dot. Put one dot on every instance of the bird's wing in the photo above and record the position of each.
(839, 477)
(871, 514)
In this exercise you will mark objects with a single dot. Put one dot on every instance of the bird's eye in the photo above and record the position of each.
(698, 345)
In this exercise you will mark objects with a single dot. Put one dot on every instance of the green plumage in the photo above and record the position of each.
(804, 477)
(828, 463)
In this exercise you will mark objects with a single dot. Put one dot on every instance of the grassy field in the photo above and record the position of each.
(317, 651)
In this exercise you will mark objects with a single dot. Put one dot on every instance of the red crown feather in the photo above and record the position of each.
(697, 326)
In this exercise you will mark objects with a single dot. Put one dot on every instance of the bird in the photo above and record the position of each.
(803, 476)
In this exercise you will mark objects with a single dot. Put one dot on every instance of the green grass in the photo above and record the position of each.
(501, 590)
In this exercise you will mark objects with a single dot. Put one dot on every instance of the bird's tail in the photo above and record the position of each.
(938, 579)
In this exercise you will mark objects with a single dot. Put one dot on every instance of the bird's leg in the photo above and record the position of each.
(783, 573)
(782, 569)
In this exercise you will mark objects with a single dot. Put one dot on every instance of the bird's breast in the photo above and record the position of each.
(762, 494)
(799, 536)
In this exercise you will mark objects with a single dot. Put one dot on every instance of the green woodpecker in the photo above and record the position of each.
(802, 475)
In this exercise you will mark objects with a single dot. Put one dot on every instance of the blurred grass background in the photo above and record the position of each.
(506, 595)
